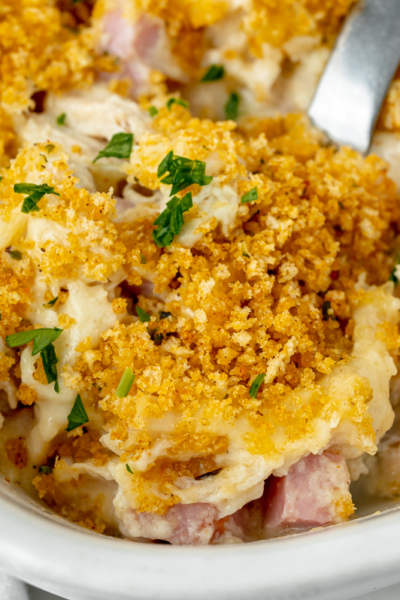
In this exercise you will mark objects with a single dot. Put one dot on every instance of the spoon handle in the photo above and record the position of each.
(353, 86)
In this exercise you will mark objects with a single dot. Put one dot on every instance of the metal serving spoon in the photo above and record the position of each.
(362, 65)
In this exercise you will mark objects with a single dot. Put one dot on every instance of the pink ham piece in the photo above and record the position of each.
(182, 525)
(315, 492)
(141, 46)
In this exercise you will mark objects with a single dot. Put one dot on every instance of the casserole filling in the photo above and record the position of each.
(199, 325)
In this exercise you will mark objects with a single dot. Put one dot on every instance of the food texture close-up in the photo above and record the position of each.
(199, 336)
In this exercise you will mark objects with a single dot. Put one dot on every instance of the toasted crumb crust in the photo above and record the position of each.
(273, 294)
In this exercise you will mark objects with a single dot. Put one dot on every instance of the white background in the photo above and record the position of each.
(392, 593)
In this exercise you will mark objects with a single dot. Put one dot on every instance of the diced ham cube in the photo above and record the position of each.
(183, 524)
(315, 492)
(141, 46)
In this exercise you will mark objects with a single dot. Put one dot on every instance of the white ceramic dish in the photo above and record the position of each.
(336, 563)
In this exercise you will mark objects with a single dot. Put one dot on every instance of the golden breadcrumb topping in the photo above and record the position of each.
(88, 238)
(39, 50)
(275, 296)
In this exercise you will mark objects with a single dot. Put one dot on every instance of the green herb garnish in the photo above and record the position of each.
(255, 386)
(164, 314)
(42, 342)
(50, 361)
(153, 111)
(77, 416)
(232, 106)
(250, 196)
(144, 317)
(120, 146)
(61, 119)
(393, 277)
(169, 223)
(49, 148)
(16, 254)
(126, 383)
(51, 303)
(179, 101)
(246, 255)
(41, 338)
(214, 73)
(327, 311)
(45, 470)
(35, 194)
(209, 474)
(128, 469)
(143, 259)
(182, 172)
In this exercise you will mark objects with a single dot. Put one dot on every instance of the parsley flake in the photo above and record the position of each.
(255, 386)
(182, 172)
(210, 474)
(49, 148)
(214, 73)
(393, 277)
(35, 194)
(61, 119)
(144, 317)
(41, 338)
(179, 101)
(128, 469)
(232, 106)
(42, 342)
(77, 416)
(120, 146)
(45, 470)
(169, 223)
(153, 111)
(250, 196)
(16, 254)
(327, 311)
(124, 386)
(143, 260)
(51, 303)
(164, 314)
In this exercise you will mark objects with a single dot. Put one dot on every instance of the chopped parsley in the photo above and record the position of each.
(250, 196)
(214, 73)
(179, 101)
(45, 470)
(51, 303)
(120, 146)
(153, 111)
(246, 255)
(128, 469)
(77, 416)
(182, 172)
(42, 343)
(155, 336)
(393, 277)
(49, 148)
(41, 338)
(210, 474)
(16, 254)
(232, 106)
(61, 119)
(124, 386)
(327, 311)
(169, 223)
(164, 314)
(144, 317)
(143, 260)
(35, 194)
(255, 386)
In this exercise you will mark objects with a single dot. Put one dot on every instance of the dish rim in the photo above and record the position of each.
(330, 563)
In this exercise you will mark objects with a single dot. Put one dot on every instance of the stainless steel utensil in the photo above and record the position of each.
(353, 86)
